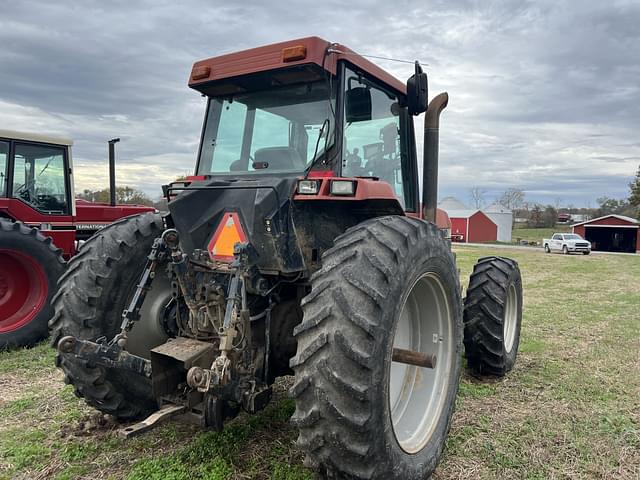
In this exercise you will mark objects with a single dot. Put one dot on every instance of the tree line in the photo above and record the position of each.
(541, 215)
(124, 195)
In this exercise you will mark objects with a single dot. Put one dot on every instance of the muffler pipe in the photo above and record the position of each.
(112, 171)
(430, 166)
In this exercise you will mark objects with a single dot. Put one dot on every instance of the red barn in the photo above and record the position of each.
(472, 226)
(611, 233)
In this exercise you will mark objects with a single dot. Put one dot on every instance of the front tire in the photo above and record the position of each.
(91, 297)
(388, 282)
(30, 266)
(493, 316)
(565, 250)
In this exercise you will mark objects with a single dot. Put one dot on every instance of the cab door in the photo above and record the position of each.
(39, 178)
(377, 142)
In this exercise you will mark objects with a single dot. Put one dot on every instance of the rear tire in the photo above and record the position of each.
(547, 249)
(91, 297)
(381, 280)
(493, 316)
(30, 266)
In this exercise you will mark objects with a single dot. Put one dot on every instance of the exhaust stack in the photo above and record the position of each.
(430, 167)
(112, 171)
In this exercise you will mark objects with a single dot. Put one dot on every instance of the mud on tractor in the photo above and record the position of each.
(41, 224)
(300, 246)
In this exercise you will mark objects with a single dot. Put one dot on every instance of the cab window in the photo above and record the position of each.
(371, 145)
(39, 177)
(278, 130)
(4, 154)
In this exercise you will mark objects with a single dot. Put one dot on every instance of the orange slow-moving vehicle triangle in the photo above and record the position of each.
(228, 233)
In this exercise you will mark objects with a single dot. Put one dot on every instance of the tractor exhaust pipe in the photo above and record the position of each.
(430, 167)
(112, 171)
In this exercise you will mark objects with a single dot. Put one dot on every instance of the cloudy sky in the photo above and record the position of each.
(544, 95)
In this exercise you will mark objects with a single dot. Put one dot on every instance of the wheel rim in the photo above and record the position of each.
(510, 318)
(417, 395)
(23, 289)
(148, 332)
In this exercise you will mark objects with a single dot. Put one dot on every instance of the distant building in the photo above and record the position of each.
(611, 233)
(472, 225)
(503, 218)
(579, 217)
(451, 203)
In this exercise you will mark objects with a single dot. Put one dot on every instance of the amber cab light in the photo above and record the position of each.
(293, 54)
(200, 72)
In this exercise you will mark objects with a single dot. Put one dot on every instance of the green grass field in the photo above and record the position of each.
(570, 409)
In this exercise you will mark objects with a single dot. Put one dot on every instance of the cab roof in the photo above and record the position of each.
(35, 137)
(310, 50)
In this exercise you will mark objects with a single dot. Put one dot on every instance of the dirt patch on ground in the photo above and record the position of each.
(14, 385)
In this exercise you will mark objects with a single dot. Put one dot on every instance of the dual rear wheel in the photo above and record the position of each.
(493, 316)
(387, 283)
(392, 283)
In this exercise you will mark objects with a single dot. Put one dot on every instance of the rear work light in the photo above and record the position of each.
(308, 187)
(343, 187)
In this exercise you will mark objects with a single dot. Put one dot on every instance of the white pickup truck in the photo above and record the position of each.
(566, 243)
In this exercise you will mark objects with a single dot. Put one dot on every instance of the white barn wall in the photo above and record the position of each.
(504, 221)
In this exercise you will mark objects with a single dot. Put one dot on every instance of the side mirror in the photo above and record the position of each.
(417, 92)
(358, 104)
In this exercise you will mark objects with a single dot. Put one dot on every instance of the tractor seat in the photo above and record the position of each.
(279, 158)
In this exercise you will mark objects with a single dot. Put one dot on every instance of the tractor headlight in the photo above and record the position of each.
(343, 187)
(308, 187)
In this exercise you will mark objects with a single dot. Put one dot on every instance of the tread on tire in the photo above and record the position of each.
(344, 344)
(484, 316)
(89, 303)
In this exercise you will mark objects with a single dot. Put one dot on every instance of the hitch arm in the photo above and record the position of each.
(100, 354)
(132, 313)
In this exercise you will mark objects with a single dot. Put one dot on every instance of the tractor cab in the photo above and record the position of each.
(314, 130)
(308, 108)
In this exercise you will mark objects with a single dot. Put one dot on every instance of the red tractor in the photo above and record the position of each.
(300, 246)
(41, 224)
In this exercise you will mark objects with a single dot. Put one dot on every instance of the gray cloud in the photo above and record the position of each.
(544, 95)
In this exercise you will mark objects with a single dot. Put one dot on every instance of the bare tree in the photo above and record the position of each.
(512, 198)
(477, 195)
(557, 202)
(634, 197)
